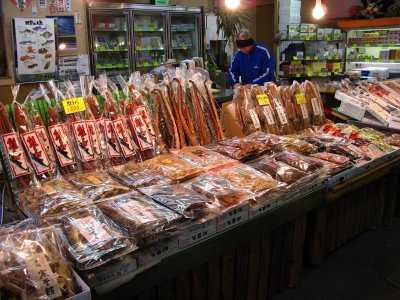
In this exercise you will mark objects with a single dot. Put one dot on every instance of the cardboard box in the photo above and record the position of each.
(85, 290)
(229, 125)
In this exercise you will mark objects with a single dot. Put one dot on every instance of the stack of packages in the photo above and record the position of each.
(132, 167)
(371, 103)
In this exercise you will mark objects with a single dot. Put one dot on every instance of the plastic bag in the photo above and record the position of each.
(219, 189)
(97, 185)
(249, 147)
(33, 268)
(91, 239)
(298, 161)
(313, 97)
(178, 198)
(203, 157)
(18, 166)
(246, 114)
(331, 157)
(172, 167)
(250, 179)
(298, 145)
(140, 216)
(302, 107)
(287, 101)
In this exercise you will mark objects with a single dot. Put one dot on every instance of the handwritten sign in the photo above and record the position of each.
(74, 105)
(263, 99)
(301, 98)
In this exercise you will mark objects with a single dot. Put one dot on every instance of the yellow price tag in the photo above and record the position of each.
(329, 57)
(297, 75)
(116, 49)
(152, 28)
(137, 28)
(184, 46)
(380, 45)
(120, 66)
(295, 58)
(310, 74)
(307, 58)
(263, 99)
(109, 66)
(148, 47)
(315, 57)
(99, 66)
(167, 161)
(329, 73)
(367, 45)
(49, 190)
(74, 105)
(155, 64)
(320, 74)
(301, 98)
(102, 48)
(379, 60)
(146, 64)
(94, 179)
(138, 48)
(354, 45)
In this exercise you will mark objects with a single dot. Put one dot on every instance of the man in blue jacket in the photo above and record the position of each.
(253, 63)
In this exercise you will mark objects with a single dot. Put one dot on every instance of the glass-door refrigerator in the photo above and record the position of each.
(110, 42)
(186, 34)
(150, 49)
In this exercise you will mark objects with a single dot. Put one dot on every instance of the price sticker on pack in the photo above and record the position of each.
(301, 99)
(94, 179)
(49, 190)
(263, 99)
(74, 105)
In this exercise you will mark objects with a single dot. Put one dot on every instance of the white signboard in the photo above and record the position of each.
(35, 45)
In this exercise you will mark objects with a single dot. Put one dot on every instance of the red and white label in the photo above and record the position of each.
(95, 138)
(83, 141)
(15, 154)
(124, 139)
(37, 152)
(292, 157)
(113, 148)
(271, 164)
(62, 145)
(144, 112)
(44, 138)
(141, 131)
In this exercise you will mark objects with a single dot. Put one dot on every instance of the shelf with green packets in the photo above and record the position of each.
(111, 66)
(148, 65)
(150, 29)
(312, 74)
(183, 47)
(111, 29)
(373, 60)
(149, 48)
(379, 45)
(312, 40)
(107, 50)
(315, 58)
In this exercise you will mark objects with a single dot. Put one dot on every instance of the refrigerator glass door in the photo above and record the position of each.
(110, 43)
(149, 40)
(185, 36)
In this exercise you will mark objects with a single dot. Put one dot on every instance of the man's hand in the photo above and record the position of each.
(237, 85)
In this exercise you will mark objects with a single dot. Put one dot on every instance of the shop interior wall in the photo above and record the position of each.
(9, 10)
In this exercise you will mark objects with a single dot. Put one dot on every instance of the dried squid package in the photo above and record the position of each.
(246, 114)
(97, 185)
(17, 164)
(282, 117)
(135, 176)
(181, 200)
(33, 268)
(264, 109)
(219, 189)
(274, 142)
(232, 152)
(313, 97)
(292, 143)
(46, 201)
(250, 146)
(302, 107)
(172, 167)
(298, 161)
(140, 216)
(287, 101)
(203, 157)
(250, 179)
(91, 239)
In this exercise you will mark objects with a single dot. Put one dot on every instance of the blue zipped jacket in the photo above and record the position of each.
(256, 67)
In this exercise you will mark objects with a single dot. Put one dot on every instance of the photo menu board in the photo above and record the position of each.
(35, 49)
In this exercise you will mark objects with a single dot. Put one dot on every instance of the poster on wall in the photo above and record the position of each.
(35, 47)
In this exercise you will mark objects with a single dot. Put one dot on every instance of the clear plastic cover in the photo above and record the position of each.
(172, 167)
(292, 143)
(91, 239)
(246, 114)
(97, 185)
(135, 176)
(298, 161)
(140, 216)
(204, 157)
(180, 199)
(302, 108)
(33, 268)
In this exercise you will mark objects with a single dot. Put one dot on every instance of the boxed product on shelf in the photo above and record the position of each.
(304, 27)
(312, 36)
(328, 33)
(378, 73)
(337, 34)
(312, 28)
(320, 34)
(293, 28)
(304, 35)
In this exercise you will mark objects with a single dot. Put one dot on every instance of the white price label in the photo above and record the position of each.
(282, 115)
(316, 107)
(304, 112)
(254, 118)
(267, 110)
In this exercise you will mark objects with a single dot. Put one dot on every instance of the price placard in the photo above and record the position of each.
(120, 66)
(366, 60)
(138, 48)
(308, 58)
(137, 28)
(329, 57)
(337, 57)
(263, 99)
(379, 60)
(102, 49)
(184, 46)
(315, 57)
(155, 64)
(148, 47)
(301, 98)
(98, 67)
(152, 28)
(380, 45)
(295, 58)
(391, 45)
(328, 38)
(392, 61)
(320, 74)
(309, 74)
(74, 105)
(329, 73)
(307, 38)
(354, 45)
(109, 66)
(116, 49)
(297, 75)
(146, 64)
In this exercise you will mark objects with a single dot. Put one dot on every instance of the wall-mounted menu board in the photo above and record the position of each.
(35, 49)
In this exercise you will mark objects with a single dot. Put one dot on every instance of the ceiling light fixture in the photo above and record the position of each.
(318, 11)
(232, 4)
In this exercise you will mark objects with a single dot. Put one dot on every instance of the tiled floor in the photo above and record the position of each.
(367, 268)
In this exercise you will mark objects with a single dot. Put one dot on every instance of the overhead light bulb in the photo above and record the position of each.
(232, 4)
(62, 46)
(318, 11)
